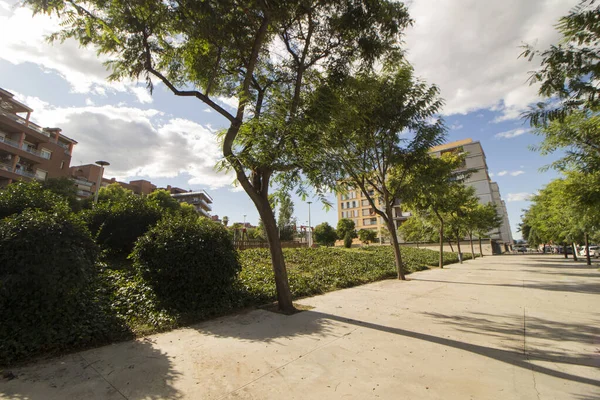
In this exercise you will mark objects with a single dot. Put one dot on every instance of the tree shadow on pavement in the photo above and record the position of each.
(132, 370)
(533, 330)
(321, 324)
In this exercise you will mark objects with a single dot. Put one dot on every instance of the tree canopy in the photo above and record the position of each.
(268, 55)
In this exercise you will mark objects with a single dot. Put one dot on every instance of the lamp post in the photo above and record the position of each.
(102, 164)
(244, 220)
(309, 230)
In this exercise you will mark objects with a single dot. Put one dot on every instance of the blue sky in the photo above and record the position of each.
(469, 48)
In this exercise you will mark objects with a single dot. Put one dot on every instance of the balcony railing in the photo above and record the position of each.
(10, 142)
(22, 172)
(24, 147)
(63, 145)
(84, 193)
(35, 152)
(23, 121)
(83, 182)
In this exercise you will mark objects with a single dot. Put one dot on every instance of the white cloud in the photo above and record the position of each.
(470, 49)
(505, 172)
(207, 110)
(23, 41)
(512, 133)
(89, 102)
(456, 126)
(142, 94)
(137, 142)
(522, 196)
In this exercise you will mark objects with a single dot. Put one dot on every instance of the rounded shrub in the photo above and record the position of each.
(116, 225)
(348, 240)
(47, 272)
(20, 196)
(190, 263)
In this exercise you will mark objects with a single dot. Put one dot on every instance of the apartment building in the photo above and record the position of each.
(200, 199)
(355, 206)
(487, 190)
(86, 176)
(28, 151)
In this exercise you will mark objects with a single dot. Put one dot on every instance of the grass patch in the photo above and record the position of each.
(321, 270)
(129, 300)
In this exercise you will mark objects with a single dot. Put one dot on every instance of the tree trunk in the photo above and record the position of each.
(441, 243)
(587, 250)
(458, 247)
(284, 294)
(574, 252)
(480, 248)
(565, 250)
(451, 248)
(472, 249)
(396, 247)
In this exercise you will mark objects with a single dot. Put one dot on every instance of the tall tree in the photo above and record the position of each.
(481, 220)
(378, 124)
(266, 54)
(569, 70)
(430, 191)
(461, 202)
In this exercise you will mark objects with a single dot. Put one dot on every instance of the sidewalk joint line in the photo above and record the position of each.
(102, 376)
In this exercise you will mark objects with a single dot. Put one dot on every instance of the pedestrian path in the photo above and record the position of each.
(503, 327)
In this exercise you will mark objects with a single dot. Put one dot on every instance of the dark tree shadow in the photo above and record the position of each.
(103, 373)
(312, 322)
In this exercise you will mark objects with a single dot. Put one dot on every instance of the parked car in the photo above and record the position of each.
(594, 252)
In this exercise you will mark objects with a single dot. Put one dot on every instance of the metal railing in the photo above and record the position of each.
(83, 182)
(35, 152)
(10, 142)
(24, 147)
(22, 172)
(84, 193)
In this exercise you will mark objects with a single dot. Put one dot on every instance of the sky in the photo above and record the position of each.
(469, 48)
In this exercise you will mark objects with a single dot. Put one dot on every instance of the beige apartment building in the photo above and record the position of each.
(28, 151)
(487, 190)
(355, 206)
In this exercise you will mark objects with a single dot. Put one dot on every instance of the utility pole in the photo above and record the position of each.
(309, 227)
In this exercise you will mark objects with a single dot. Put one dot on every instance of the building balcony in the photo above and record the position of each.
(28, 149)
(83, 182)
(83, 193)
(23, 121)
(27, 174)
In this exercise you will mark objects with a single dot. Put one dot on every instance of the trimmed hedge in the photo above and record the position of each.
(116, 225)
(320, 270)
(48, 275)
(190, 263)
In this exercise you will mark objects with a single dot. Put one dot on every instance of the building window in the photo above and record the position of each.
(46, 153)
(342, 205)
(353, 203)
(364, 203)
(356, 213)
(366, 212)
(347, 204)
(41, 174)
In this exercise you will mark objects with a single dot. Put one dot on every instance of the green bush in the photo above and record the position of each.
(348, 240)
(20, 196)
(47, 286)
(325, 234)
(367, 235)
(116, 225)
(190, 263)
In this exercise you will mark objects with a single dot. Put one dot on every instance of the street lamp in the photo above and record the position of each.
(244, 220)
(309, 230)
(102, 164)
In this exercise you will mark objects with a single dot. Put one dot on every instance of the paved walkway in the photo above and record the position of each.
(510, 327)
